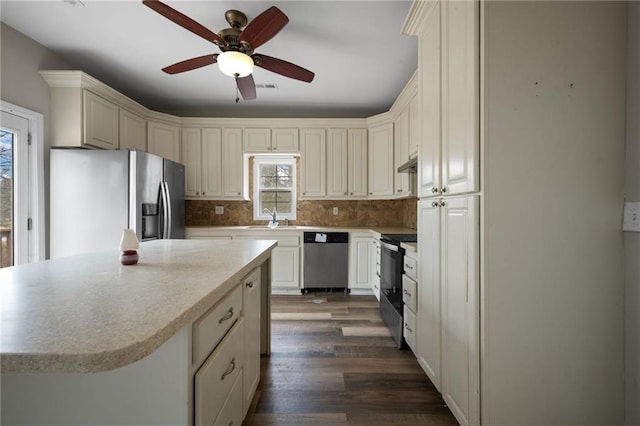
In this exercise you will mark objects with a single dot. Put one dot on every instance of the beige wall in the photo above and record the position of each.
(632, 239)
(20, 84)
(553, 282)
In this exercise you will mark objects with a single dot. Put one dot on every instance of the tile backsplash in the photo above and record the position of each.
(402, 213)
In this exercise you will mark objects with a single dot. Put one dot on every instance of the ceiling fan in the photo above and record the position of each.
(237, 45)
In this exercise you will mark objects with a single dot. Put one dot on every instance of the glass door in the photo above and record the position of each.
(14, 187)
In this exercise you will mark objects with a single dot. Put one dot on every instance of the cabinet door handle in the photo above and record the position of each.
(442, 204)
(346, 193)
(204, 193)
(408, 267)
(230, 368)
(434, 204)
(408, 328)
(250, 284)
(434, 190)
(227, 316)
(399, 190)
(444, 190)
(407, 293)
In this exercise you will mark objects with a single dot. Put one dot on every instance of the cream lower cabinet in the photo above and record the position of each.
(285, 258)
(360, 247)
(448, 301)
(410, 299)
(375, 267)
(251, 287)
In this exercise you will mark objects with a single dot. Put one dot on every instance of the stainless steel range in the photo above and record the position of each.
(391, 270)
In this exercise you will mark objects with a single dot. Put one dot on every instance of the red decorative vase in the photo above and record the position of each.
(129, 257)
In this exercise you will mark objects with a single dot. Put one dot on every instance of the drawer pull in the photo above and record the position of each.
(230, 368)
(408, 266)
(407, 327)
(227, 316)
(407, 293)
(250, 284)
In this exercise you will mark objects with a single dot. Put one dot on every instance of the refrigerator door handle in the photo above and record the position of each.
(165, 210)
(169, 217)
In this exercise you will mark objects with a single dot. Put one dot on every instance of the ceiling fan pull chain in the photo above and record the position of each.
(237, 95)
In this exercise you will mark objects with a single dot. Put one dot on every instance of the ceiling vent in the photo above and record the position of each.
(266, 86)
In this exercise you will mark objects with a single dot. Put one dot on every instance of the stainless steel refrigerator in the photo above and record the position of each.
(96, 194)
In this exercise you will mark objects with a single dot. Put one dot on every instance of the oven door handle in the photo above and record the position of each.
(389, 246)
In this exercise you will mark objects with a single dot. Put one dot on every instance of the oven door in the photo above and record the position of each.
(390, 267)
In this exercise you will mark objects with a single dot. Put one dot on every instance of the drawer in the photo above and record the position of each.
(231, 412)
(411, 267)
(410, 332)
(283, 240)
(409, 293)
(211, 327)
(215, 379)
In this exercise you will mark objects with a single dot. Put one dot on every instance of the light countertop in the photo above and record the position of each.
(89, 313)
(375, 229)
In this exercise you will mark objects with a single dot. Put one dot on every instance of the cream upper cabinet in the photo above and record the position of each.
(346, 163)
(265, 140)
(460, 97)
(164, 140)
(214, 163)
(429, 105)
(192, 158)
(256, 140)
(133, 131)
(313, 158)
(80, 118)
(211, 162)
(449, 152)
(357, 162)
(337, 164)
(381, 170)
(401, 152)
(232, 164)
(414, 126)
(101, 120)
(285, 141)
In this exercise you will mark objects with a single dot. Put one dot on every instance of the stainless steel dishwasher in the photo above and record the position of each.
(326, 261)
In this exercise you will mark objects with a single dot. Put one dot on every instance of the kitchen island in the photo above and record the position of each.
(86, 340)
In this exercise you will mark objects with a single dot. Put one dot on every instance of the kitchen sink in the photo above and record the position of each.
(269, 227)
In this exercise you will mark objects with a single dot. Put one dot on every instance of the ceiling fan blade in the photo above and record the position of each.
(247, 87)
(184, 21)
(191, 64)
(284, 68)
(264, 27)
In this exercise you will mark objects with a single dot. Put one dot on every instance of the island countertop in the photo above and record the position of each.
(89, 313)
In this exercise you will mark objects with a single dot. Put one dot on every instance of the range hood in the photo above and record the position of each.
(410, 166)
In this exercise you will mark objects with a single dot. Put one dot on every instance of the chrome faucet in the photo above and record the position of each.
(272, 213)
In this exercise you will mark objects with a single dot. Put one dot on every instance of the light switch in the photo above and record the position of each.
(335, 211)
(631, 219)
(219, 209)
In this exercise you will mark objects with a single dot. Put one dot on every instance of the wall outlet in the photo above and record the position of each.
(335, 211)
(219, 209)
(631, 219)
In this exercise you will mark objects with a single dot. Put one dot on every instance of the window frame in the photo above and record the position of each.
(258, 161)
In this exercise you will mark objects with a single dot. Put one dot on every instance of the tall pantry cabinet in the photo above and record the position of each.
(521, 287)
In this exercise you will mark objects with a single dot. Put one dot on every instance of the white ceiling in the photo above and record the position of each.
(355, 48)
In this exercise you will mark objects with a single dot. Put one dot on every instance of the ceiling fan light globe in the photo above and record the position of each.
(235, 64)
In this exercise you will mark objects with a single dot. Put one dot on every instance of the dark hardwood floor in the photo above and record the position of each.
(333, 362)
